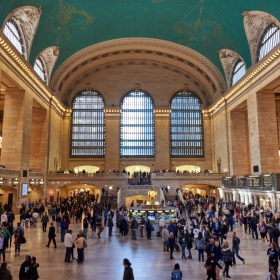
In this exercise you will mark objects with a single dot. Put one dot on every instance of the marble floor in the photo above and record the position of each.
(103, 258)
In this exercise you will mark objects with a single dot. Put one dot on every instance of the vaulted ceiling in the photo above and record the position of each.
(205, 26)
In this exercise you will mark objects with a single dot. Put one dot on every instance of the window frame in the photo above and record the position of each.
(146, 125)
(20, 38)
(44, 70)
(267, 40)
(234, 71)
(71, 155)
(172, 155)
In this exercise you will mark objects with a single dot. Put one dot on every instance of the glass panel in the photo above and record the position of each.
(12, 33)
(88, 131)
(40, 69)
(137, 126)
(238, 72)
(270, 39)
(186, 129)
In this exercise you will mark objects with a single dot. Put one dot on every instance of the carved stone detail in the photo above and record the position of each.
(49, 55)
(27, 18)
(142, 45)
(255, 22)
(228, 59)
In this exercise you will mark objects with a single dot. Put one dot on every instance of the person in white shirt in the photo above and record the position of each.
(68, 243)
(161, 224)
(4, 218)
(35, 216)
(196, 231)
(165, 236)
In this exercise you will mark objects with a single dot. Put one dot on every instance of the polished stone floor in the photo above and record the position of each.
(103, 258)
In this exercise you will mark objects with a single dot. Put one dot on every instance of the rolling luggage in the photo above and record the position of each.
(158, 234)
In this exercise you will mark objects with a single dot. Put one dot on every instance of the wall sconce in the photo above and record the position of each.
(32, 182)
(41, 182)
(15, 182)
(29, 190)
(2, 181)
(110, 188)
(268, 199)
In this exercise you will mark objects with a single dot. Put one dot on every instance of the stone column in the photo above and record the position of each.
(66, 130)
(112, 138)
(162, 137)
(17, 130)
(263, 136)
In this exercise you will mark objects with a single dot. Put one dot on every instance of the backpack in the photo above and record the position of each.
(176, 275)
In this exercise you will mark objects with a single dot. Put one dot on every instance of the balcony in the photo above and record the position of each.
(106, 175)
(188, 175)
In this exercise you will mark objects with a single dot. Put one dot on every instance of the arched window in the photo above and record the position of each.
(238, 72)
(40, 69)
(87, 133)
(269, 40)
(11, 30)
(137, 125)
(186, 128)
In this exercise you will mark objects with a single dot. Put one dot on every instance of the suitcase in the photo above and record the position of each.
(158, 234)
(177, 247)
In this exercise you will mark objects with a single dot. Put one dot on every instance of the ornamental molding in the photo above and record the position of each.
(27, 17)
(228, 60)
(49, 56)
(255, 23)
(144, 46)
(202, 91)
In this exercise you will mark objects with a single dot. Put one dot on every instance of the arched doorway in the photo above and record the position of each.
(197, 190)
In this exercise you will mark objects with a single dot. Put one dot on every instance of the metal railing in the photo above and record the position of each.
(174, 174)
(36, 174)
(10, 172)
(87, 175)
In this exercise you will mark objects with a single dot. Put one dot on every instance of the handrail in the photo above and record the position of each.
(173, 174)
(98, 175)
(36, 174)
(9, 172)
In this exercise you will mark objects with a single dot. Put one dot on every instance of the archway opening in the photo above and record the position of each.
(188, 168)
(198, 190)
(138, 200)
(86, 169)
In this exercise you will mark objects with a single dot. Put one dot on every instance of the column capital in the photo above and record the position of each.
(162, 111)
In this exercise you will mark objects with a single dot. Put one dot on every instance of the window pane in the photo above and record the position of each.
(88, 133)
(270, 39)
(238, 72)
(40, 69)
(186, 129)
(12, 33)
(137, 126)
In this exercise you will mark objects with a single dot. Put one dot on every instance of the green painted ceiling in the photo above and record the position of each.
(205, 26)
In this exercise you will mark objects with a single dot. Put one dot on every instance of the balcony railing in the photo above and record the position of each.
(36, 174)
(87, 175)
(174, 175)
(9, 172)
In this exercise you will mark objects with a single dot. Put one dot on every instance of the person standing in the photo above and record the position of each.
(34, 269)
(253, 226)
(142, 225)
(51, 236)
(3, 240)
(35, 216)
(80, 244)
(226, 257)
(68, 243)
(218, 255)
(58, 222)
(176, 273)
(63, 231)
(45, 220)
(85, 226)
(171, 244)
(148, 229)
(235, 248)
(200, 245)
(223, 230)
(211, 263)
(183, 244)
(165, 236)
(161, 224)
(105, 215)
(5, 272)
(272, 274)
(110, 225)
(128, 271)
(18, 241)
(134, 226)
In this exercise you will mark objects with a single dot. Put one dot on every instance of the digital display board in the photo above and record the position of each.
(24, 189)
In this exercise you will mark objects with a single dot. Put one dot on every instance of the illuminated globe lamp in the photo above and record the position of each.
(152, 194)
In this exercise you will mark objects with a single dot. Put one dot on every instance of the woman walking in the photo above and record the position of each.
(273, 275)
(263, 230)
(183, 243)
(226, 257)
(210, 265)
(18, 241)
(171, 244)
(200, 245)
(33, 269)
(128, 271)
(272, 253)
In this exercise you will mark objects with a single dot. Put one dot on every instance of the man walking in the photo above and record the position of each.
(235, 248)
(45, 220)
(165, 236)
(99, 225)
(51, 236)
(110, 225)
(253, 226)
(142, 225)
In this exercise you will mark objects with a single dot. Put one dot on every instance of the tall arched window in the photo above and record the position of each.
(87, 134)
(137, 125)
(269, 40)
(239, 71)
(11, 30)
(186, 128)
(40, 69)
